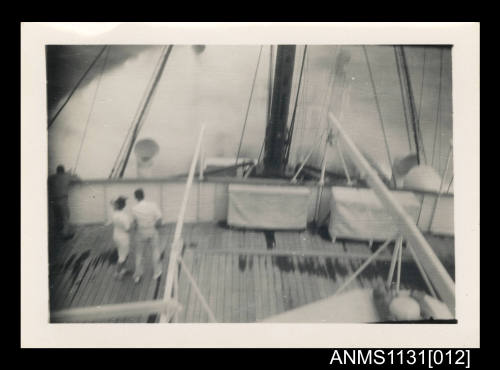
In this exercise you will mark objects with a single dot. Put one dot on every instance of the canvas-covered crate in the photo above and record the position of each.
(359, 214)
(268, 207)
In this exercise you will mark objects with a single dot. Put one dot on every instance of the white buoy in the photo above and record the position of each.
(145, 150)
(404, 308)
(423, 178)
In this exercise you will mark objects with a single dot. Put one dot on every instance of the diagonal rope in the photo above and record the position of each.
(269, 95)
(292, 123)
(421, 95)
(145, 109)
(304, 111)
(449, 185)
(76, 86)
(438, 110)
(136, 114)
(403, 101)
(248, 105)
(377, 103)
(91, 108)
(411, 105)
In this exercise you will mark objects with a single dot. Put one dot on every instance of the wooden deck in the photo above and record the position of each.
(244, 275)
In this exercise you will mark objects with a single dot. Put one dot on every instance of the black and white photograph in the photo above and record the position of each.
(257, 183)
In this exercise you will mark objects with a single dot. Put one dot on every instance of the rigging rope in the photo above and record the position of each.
(145, 109)
(414, 114)
(76, 86)
(401, 88)
(422, 86)
(438, 110)
(449, 185)
(269, 100)
(119, 158)
(331, 83)
(304, 95)
(377, 103)
(421, 98)
(91, 107)
(292, 123)
(248, 105)
(142, 112)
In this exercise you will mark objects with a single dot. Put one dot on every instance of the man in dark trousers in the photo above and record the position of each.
(59, 184)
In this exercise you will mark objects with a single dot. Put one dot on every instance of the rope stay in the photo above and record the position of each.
(91, 108)
(269, 97)
(401, 88)
(304, 110)
(77, 85)
(139, 122)
(292, 122)
(136, 114)
(144, 110)
(377, 103)
(410, 101)
(248, 106)
(438, 110)
(422, 87)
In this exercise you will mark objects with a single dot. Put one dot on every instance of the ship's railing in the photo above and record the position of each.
(89, 200)
(426, 259)
(175, 260)
(168, 306)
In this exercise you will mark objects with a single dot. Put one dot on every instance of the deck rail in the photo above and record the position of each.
(419, 246)
(168, 307)
(175, 260)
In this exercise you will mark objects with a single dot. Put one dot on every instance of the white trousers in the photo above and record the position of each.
(143, 238)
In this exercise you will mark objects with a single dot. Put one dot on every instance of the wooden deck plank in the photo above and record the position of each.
(261, 288)
(301, 286)
(196, 276)
(249, 292)
(227, 289)
(285, 279)
(204, 285)
(355, 247)
(243, 293)
(191, 298)
(77, 280)
(257, 289)
(184, 285)
(200, 310)
(326, 282)
(212, 289)
(94, 238)
(234, 296)
(219, 289)
(62, 281)
(292, 285)
(265, 291)
(278, 287)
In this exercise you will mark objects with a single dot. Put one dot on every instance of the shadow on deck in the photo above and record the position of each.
(244, 275)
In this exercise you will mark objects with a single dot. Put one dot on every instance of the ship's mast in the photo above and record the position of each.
(276, 135)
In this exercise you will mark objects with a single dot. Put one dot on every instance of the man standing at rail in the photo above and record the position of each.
(59, 184)
(147, 217)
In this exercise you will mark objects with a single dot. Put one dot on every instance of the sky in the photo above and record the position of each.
(213, 87)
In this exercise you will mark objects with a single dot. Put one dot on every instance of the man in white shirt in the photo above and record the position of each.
(147, 217)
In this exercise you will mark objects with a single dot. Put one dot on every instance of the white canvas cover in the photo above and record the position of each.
(358, 214)
(268, 207)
